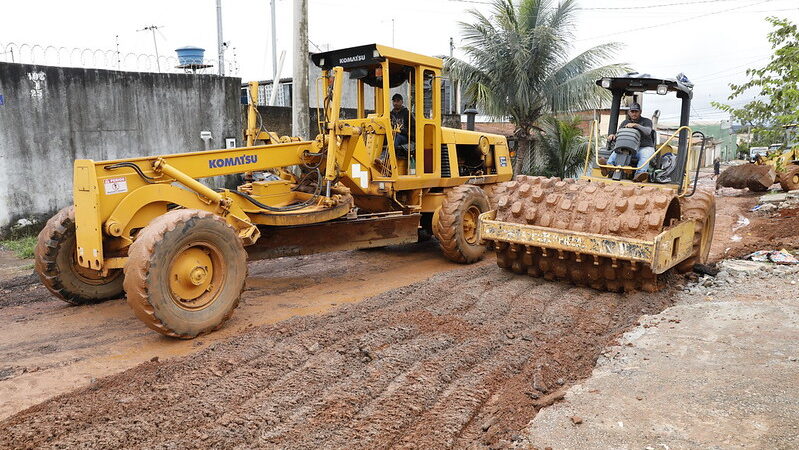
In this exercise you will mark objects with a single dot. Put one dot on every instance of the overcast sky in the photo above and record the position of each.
(711, 41)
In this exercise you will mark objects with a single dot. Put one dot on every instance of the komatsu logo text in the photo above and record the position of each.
(232, 161)
(350, 59)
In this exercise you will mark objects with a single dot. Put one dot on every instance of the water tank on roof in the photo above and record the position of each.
(190, 55)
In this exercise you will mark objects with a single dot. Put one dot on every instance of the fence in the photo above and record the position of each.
(88, 58)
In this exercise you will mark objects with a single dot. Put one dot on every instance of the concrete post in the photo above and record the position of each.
(300, 120)
(220, 42)
(274, 46)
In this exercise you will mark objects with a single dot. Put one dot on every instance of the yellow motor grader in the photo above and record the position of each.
(605, 230)
(148, 229)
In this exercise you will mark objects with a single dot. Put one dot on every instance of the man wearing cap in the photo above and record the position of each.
(647, 146)
(402, 121)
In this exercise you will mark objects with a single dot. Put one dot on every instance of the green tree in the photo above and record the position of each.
(562, 147)
(519, 67)
(776, 86)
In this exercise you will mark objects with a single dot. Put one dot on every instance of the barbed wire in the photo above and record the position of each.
(90, 58)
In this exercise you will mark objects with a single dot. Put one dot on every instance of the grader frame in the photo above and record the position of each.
(354, 191)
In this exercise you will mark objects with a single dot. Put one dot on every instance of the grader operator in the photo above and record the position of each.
(148, 229)
(606, 230)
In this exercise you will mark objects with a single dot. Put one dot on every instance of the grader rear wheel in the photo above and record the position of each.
(186, 273)
(701, 207)
(455, 224)
(61, 274)
(494, 192)
(789, 178)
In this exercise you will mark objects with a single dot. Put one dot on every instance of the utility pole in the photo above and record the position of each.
(274, 46)
(456, 86)
(451, 83)
(220, 42)
(154, 28)
(300, 120)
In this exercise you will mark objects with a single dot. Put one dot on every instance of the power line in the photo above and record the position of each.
(617, 8)
(710, 76)
(663, 15)
(664, 5)
(674, 21)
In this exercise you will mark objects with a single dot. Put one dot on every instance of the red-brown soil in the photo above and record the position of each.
(389, 347)
(764, 232)
(468, 356)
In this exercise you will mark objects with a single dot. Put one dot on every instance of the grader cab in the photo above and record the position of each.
(603, 229)
(147, 228)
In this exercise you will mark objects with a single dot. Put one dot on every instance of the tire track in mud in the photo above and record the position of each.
(467, 357)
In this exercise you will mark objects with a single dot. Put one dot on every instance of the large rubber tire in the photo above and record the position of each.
(154, 280)
(701, 207)
(455, 224)
(789, 178)
(495, 192)
(55, 263)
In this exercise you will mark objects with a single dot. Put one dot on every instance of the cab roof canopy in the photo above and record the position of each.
(641, 83)
(367, 55)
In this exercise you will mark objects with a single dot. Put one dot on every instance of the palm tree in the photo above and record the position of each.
(562, 147)
(519, 66)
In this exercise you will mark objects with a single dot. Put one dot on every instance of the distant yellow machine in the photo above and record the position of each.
(176, 247)
(786, 166)
(607, 231)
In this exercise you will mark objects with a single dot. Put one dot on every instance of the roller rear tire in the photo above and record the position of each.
(701, 207)
(185, 273)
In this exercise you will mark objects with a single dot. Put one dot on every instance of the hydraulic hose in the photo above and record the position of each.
(285, 208)
(133, 166)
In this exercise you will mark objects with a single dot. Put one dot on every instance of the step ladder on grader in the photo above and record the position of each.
(177, 249)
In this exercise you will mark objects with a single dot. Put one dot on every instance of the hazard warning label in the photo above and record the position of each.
(115, 185)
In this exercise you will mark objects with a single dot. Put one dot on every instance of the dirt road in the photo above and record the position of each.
(48, 348)
(327, 351)
(466, 356)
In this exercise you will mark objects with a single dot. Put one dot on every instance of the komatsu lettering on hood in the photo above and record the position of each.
(232, 161)
(350, 59)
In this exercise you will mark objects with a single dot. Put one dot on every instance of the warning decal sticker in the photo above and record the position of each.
(115, 185)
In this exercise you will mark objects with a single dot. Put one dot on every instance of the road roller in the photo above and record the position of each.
(604, 229)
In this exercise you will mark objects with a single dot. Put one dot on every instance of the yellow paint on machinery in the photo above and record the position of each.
(605, 230)
(351, 173)
(662, 253)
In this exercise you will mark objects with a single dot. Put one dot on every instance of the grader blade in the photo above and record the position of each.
(345, 234)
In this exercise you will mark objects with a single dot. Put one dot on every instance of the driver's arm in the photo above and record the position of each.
(644, 129)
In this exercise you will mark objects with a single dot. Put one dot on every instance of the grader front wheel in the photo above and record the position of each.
(59, 271)
(185, 273)
(456, 223)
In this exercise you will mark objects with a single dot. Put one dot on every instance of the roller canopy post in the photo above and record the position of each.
(682, 152)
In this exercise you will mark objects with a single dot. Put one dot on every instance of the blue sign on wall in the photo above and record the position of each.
(2, 100)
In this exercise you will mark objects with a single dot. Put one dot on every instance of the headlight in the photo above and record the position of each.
(606, 83)
(663, 89)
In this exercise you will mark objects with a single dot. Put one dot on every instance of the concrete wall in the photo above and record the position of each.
(50, 116)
